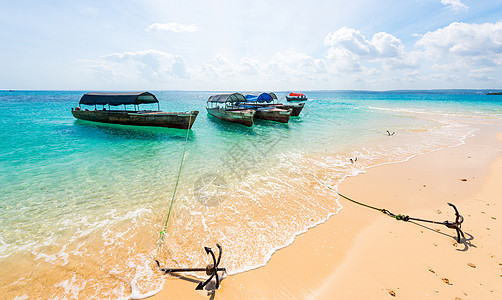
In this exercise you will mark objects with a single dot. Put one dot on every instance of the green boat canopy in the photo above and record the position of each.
(118, 98)
(222, 98)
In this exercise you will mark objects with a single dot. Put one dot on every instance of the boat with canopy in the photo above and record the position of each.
(296, 97)
(296, 108)
(227, 107)
(157, 118)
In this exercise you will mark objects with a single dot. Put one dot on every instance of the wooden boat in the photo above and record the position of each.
(296, 108)
(226, 107)
(296, 97)
(273, 114)
(265, 110)
(182, 120)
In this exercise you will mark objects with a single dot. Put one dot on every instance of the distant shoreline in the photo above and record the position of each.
(430, 91)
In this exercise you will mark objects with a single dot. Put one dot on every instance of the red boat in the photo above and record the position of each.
(296, 97)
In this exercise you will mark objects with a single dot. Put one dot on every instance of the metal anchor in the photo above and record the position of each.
(210, 269)
(457, 225)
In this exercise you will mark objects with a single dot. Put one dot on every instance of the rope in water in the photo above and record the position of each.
(163, 232)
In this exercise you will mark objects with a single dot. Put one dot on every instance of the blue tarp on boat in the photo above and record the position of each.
(258, 97)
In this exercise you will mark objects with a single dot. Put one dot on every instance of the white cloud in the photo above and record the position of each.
(382, 45)
(350, 39)
(482, 74)
(173, 27)
(224, 68)
(445, 68)
(284, 67)
(343, 60)
(250, 66)
(387, 45)
(407, 60)
(452, 54)
(292, 61)
(474, 43)
(350, 53)
(141, 67)
(156, 64)
(220, 70)
(455, 5)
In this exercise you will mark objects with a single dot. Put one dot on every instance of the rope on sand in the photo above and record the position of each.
(457, 224)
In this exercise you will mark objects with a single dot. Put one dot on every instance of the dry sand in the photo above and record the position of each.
(364, 254)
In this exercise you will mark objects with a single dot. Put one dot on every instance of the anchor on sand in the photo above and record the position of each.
(210, 269)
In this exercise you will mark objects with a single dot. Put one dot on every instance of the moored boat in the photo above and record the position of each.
(226, 107)
(265, 110)
(273, 114)
(295, 107)
(296, 97)
(158, 118)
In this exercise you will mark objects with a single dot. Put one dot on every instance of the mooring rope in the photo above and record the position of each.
(211, 269)
(457, 224)
(163, 231)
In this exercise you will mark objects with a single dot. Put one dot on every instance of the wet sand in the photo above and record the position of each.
(363, 254)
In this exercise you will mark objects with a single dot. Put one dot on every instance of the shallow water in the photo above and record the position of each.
(82, 203)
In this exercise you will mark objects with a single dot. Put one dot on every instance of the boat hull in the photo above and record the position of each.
(273, 114)
(240, 116)
(182, 120)
(296, 108)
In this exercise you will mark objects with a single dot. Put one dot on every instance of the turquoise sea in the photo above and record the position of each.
(82, 203)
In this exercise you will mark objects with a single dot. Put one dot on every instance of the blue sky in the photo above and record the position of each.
(250, 45)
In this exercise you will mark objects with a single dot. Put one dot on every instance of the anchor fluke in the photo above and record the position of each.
(211, 269)
(457, 225)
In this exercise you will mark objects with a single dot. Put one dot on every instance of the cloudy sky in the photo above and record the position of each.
(250, 44)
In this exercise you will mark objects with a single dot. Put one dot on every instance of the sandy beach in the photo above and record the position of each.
(325, 147)
(363, 254)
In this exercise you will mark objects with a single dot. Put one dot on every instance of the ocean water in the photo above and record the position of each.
(82, 203)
